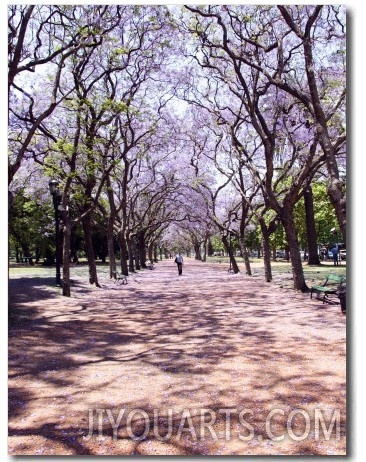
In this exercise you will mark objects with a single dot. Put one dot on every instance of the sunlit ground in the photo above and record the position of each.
(216, 363)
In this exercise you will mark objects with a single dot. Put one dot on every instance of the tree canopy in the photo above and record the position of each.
(176, 126)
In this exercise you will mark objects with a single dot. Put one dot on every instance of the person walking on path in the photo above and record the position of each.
(179, 261)
(335, 255)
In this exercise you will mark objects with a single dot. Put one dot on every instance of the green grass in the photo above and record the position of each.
(81, 270)
(313, 274)
(31, 271)
(282, 272)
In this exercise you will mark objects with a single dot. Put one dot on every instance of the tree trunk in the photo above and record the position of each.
(17, 259)
(74, 247)
(274, 254)
(230, 252)
(204, 258)
(142, 249)
(110, 229)
(111, 253)
(150, 251)
(338, 200)
(287, 253)
(210, 250)
(245, 255)
(313, 256)
(335, 186)
(156, 251)
(124, 253)
(291, 236)
(131, 253)
(266, 251)
(197, 250)
(93, 275)
(66, 283)
(136, 252)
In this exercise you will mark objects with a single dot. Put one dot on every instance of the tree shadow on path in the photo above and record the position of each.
(207, 340)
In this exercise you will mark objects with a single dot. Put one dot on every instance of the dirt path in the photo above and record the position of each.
(206, 363)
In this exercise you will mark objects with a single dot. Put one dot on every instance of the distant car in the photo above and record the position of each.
(280, 254)
(330, 255)
(342, 254)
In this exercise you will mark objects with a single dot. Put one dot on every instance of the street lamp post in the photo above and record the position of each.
(56, 196)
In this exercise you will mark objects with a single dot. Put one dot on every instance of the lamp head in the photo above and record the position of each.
(53, 186)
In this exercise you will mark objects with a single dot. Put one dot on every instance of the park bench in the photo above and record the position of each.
(119, 278)
(329, 287)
